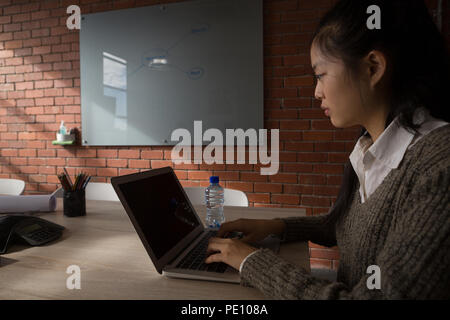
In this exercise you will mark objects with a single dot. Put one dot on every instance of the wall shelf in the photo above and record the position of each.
(63, 143)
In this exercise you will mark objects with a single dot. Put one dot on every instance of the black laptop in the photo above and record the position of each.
(168, 226)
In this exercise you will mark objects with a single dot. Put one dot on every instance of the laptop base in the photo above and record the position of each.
(230, 275)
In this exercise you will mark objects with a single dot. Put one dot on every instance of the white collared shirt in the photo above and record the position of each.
(372, 162)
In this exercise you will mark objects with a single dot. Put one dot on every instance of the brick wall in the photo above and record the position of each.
(40, 86)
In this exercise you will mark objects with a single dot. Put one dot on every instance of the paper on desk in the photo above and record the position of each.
(28, 203)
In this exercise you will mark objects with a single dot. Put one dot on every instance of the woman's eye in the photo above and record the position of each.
(318, 76)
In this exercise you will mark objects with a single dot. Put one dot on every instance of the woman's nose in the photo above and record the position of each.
(318, 97)
(318, 93)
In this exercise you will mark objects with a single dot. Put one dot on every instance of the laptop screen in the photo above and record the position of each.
(159, 206)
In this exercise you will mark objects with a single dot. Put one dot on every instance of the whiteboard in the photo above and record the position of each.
(147, 71)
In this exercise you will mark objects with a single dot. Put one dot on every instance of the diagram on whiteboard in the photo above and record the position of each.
(149, 70)
(159, 59)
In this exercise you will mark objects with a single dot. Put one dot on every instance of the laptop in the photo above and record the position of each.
(169, 228)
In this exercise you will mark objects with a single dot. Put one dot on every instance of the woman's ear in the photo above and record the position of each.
(375, 62)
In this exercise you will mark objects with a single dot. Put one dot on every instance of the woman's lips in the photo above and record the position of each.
(327, 112)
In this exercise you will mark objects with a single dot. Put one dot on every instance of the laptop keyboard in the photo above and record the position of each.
(195, 259)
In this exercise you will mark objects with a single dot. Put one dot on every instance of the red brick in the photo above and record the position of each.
(46, 153)
(34, 93)
(282, 92)
(106, 153)
(95, 162)
(27, 136)
(43, 84)
(334, 180)
(226, 175)
(253, 176)
(14, 44)
(268, 187)
(181, 174)
(283, 178)
(312, 157)
(129, 154)
(63, 100)
(9, 152)
(76, 162)
(127, 171)
(13, 61)
(14, 77)
(326, 190)
(318, 135)
(298, 146)
(152, 154)
(294, 125)
(281, 114)
(29, 169)
(299, 81)
(313, 179)
(328, 168)
(259, 197)
(6, 54)
(144, 164)
(315, 201)
(87, 153)
(42, 50)
(243, 186)
(117, 163)
(162, 163)
(107, 172)
(285, 198)
(44, 102)
(297, 167)
(298, 189)
(199, 175)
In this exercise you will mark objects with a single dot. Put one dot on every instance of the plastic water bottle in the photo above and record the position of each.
(62, 128)
(214, 196)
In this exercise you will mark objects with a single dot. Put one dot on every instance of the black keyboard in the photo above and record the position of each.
(195, 259)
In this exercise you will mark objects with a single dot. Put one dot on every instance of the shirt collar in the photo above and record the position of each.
(390, 146)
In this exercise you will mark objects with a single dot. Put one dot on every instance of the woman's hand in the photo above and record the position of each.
(254, 230)
(234, 251)
(229, 251)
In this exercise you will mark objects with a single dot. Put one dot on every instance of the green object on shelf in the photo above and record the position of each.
(63, 142)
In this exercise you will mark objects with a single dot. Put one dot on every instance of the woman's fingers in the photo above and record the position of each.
(227, 227)
(215, 244)
(216, 257)
(215, 247)
(230, 251)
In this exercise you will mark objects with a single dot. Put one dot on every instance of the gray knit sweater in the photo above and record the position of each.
(404, 228)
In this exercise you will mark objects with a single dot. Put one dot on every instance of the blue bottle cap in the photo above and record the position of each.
(214, 179)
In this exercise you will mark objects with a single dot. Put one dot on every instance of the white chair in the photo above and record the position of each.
(13, 187)
(232, 197)
(101, 191)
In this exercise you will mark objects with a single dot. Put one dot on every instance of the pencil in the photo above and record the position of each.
(87, 181)
(77, 179)
(64, 182)
(68, 178)
(80, 181)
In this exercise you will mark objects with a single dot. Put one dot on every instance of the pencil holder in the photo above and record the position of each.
(74, 203)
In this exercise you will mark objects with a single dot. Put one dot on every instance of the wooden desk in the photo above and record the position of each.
(113, 261)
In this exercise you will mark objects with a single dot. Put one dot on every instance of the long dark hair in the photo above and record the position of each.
(418, 61)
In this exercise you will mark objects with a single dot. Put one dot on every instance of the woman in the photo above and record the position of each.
(393, 208)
